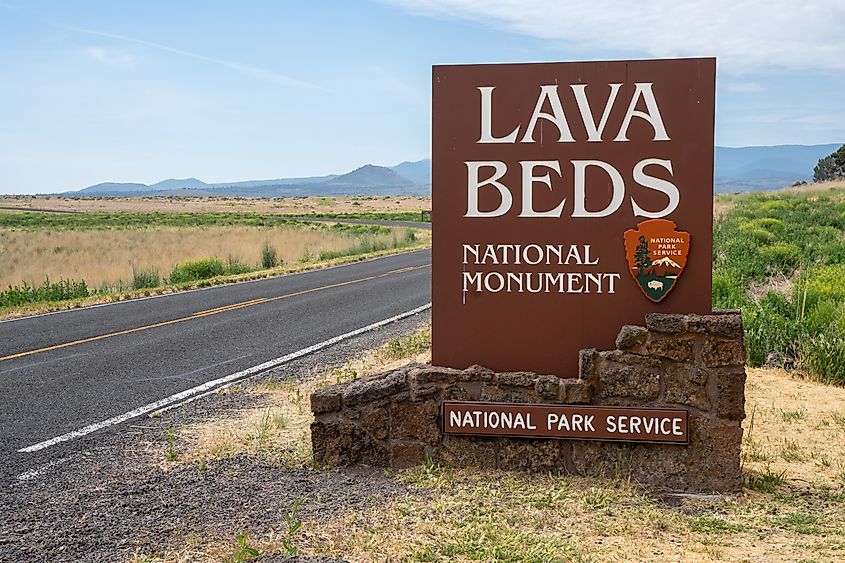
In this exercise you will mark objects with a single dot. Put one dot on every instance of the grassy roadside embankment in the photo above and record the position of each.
(72, 260)
(780, 257)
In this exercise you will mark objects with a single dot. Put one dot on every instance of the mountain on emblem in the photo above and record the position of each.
(657, 253)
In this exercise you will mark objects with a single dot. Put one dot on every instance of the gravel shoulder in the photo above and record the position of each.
(111, 497)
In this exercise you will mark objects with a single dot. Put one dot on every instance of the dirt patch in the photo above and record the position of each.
(795, 428)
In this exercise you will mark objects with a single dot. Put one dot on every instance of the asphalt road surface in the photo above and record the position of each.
(71, 372)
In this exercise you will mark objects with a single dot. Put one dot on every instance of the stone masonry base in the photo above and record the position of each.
(694, 362)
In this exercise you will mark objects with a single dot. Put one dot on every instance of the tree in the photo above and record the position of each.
(831, 167)
(641, 256)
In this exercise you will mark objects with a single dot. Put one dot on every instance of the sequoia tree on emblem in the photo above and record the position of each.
(657, 253)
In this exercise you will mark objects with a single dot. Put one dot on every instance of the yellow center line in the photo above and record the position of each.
(208, 312)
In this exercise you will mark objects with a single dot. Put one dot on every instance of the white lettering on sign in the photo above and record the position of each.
(491, 419)
(549, 95)
(531, 177)
(573, 423)
(535, 281)
(649, 425)
(475, 183)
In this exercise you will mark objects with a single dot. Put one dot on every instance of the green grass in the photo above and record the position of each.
(414, 216)
(407, 346)
(792, 237)
(370, 244)
(766, 482)
(128, 220)
(25, 294)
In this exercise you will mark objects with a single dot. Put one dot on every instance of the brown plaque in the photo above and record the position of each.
(621, 424)
(545, 178)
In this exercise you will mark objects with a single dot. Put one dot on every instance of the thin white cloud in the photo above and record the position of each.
(110, 57)
(401, 89)
(743, 87)
(744, 34)
(247, 70)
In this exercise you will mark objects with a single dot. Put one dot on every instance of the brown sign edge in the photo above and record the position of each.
(442, 416)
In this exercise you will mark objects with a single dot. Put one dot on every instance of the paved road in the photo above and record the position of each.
(65, 371)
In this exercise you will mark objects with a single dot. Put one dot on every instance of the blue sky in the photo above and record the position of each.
(94, 91)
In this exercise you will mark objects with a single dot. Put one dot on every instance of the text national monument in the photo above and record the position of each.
(572, 327)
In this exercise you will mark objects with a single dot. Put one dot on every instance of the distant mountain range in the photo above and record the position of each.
(408, 178)
(746, 169)
(736, 170)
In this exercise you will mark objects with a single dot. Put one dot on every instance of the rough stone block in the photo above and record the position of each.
(344, 443)
(730, 394)
(576, 392)
(327, 399)
(416, 420)
(632, 338)
(466, 451)
(587, 363)
(678, 348)
(506, 394)
(622, 357)
(666, 322)
(629, 381)
(476, 372)
(377, 423)
(517, 379)
(407, 454)
(548, 386)
(717, 352)
(434, 374)
(686, 385)
(727, 325)
(714, 460)
(422, 392)
(374, 387)
(459, 393)
(520, 454)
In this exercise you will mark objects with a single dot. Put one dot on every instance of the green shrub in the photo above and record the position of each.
(823, 355)
(47, 291)
(728, 290)
(268, 256)
(822, 283)
(234, 266)
(194, 270)
(145, 278)
(780, 257)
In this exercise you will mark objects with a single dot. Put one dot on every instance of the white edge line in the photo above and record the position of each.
(212, 385)
(179, 292)
(38, 471)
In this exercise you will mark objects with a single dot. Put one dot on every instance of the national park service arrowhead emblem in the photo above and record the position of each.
(657, 253)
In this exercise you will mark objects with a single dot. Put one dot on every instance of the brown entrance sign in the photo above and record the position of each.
(539, 170)
(558, 421)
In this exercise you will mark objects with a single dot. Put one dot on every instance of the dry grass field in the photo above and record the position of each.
(107, 256)
(284, 206)
(791, 509)
(725, 202)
